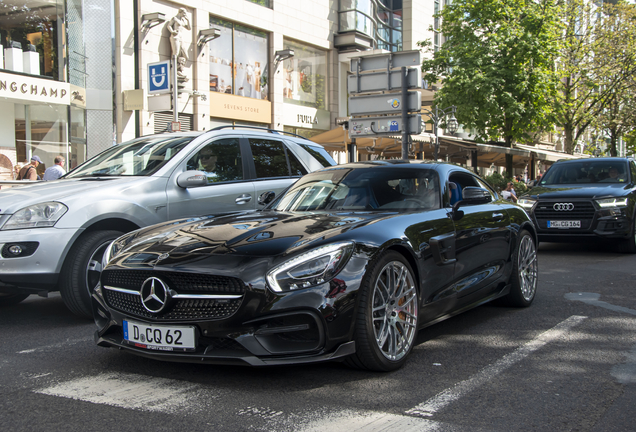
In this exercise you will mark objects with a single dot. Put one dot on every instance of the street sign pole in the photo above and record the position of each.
(175, 90)
(405, 114)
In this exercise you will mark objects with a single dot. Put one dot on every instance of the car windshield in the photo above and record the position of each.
(363, 189)
(592, 171)
(136, 158)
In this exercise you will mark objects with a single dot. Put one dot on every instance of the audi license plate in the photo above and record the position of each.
(160, 337)
(564, 224)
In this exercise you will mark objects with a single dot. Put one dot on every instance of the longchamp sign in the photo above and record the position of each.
(31, 89)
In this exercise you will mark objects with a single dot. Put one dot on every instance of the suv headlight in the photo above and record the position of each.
(612, 203)
(310, 268)
(36, 216)
(527, 203)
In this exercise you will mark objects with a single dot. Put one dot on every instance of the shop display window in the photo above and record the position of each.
(305, 76)
(238, 60)
(32, 33)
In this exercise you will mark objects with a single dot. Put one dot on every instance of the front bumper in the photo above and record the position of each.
(38, 267)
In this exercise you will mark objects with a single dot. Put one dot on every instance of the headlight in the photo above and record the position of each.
(36, 216)
(527, 203)
(612, 202)
(311, 268)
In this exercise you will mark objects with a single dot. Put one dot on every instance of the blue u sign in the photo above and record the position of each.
(158, 77)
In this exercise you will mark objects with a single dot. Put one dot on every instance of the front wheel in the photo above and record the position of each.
(524, 272)
(7, 299)
(82, 269)
(629, 244)
(387, 317)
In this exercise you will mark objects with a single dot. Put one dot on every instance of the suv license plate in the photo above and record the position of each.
(564, 224)
(160, 337)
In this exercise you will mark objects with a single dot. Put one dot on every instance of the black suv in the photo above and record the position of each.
(586, 198)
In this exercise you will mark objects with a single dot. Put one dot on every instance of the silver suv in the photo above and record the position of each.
(53, 234)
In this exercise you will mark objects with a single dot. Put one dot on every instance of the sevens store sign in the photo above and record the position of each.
(159, 77)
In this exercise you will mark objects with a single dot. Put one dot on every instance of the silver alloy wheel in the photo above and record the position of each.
(527, 266)
(394, 311)
(94, 267)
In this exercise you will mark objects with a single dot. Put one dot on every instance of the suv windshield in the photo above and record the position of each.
(363, 189)
(137, 158)
(602, 171)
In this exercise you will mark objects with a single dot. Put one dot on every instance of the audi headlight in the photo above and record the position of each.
(612, 202)
(527, 203)
(311, 268)
(36, 216)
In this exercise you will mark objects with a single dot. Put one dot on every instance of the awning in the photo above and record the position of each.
(489, 154)
(548, 155)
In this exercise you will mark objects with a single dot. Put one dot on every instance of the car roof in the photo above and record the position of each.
(238, 130)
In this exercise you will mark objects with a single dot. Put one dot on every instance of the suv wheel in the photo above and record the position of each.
(82, 269)
(629, 245)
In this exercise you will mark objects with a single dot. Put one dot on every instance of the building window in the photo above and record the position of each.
(357, 15)
(390, 25)
(34, 32)
(305, 76)
(238, 60)
(265, 3)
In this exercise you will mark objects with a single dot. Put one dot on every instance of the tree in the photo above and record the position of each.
(497, 66)
(616, 57)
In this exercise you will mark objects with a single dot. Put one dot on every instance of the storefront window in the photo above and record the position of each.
(34, 32)
(238, 60)
(305, 76)
(41, 130)
(266, 3)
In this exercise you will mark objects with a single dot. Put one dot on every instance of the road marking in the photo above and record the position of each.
(448, 396)
(352, 421)
(593, 299)
(57, 345)
(129, 391)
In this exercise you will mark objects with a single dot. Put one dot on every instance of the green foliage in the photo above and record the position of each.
(499, 182)
(497, 66)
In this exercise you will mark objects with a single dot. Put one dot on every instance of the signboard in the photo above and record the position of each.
(381, 61)
(223, 105)
(383, 81)
(30, 89)
(389, 125)
(305, 117)
(159, 77)
(390, 103)
(175, 126)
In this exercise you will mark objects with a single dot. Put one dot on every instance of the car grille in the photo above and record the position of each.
(183, 283)
(583, 211)
(182, 309)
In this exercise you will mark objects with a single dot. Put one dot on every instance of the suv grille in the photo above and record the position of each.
(583, 211)
(183, 283)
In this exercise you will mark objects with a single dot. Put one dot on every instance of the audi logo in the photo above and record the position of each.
(563, 206)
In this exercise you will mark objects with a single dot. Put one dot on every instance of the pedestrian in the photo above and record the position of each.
(56, 171)
(29, 171)
(16, 170)
(509, 193)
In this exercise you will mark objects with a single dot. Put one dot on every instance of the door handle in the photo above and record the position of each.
(243, 199)
(497, 216)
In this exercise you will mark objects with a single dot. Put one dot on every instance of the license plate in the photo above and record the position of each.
(564, 224)
(160, 337)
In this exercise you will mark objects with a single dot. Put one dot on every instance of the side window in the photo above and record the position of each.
(219, 160)
(269, 158)
(632, 168)
(297, 168)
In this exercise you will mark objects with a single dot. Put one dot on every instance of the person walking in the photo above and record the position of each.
(56, 171)
(29, 171)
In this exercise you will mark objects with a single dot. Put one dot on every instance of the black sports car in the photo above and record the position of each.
(347, 264)
(583, 199)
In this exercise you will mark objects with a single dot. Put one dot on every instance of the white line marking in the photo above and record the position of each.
(352, 421)
(593, 299)
(445, 398)
(129, 391)
(57, 345)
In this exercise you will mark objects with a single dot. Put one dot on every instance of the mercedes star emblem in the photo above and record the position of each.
(563, 206)
(154, 294)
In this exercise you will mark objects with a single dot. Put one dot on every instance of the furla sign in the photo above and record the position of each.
(305, 117)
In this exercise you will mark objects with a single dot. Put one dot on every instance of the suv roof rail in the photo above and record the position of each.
(273, 131)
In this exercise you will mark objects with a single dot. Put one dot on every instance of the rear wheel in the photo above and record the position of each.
(82, 269)
(524, 273)
(7, 299)
(387, 318)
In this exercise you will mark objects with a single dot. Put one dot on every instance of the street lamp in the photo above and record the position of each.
(451, 124)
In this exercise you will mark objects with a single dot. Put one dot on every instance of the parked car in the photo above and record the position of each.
(583, 199)
(347, 264)
(53, 234)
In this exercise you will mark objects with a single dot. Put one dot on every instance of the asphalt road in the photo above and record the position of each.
(567, 363)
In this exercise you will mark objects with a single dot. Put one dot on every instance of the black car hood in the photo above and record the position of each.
(590, 191)
(266, 233)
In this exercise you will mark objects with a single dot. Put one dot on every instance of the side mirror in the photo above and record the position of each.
(470, 196)
(190, 179)
(266, 197)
